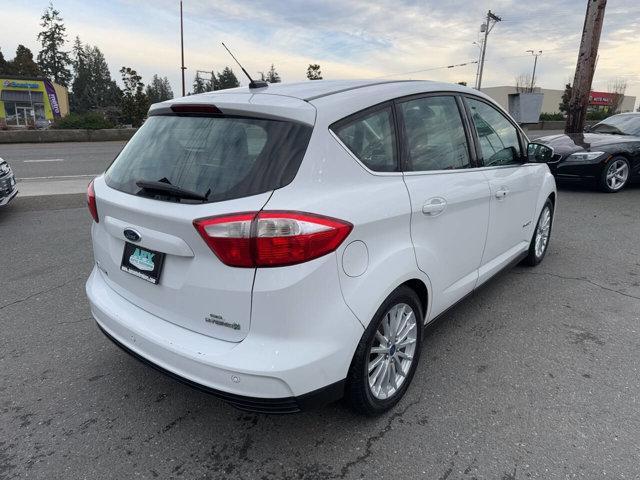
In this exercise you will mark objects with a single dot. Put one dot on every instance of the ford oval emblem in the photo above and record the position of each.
(131, 235)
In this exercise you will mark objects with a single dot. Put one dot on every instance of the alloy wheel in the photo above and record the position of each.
(543, 231)
(392, 352)
(617, 174)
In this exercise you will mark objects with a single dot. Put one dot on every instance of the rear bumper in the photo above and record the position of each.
(277, 374)
(319, 397)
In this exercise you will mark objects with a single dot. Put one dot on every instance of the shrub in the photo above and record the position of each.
(598, 115)
(89, 121)
(551, 117)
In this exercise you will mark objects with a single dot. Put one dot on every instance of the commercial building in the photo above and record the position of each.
(552, 99)
(31, 102)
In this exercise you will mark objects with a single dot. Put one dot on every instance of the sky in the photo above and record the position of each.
(348, 38)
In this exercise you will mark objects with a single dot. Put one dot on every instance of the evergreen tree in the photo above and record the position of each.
(227, 79)
(23, 64)
(4, 67)
(198, 84)
(272, 76)
(134, 101)
(92, 87)
(53, 61)
(566, 98)
(211, 84)
(159, 90)
(313, 72)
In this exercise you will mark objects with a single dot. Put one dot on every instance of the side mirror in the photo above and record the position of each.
(587, 128)
(539, 153)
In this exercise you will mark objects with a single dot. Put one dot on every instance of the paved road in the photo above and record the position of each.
(535, 376)
(37, 160)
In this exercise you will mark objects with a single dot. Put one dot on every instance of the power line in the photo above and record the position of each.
(472, 62)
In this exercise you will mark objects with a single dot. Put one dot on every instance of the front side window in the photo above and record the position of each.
(435, 135)
(498, 138)
(372, 139)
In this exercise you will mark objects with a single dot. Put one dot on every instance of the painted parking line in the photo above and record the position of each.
(44, 160)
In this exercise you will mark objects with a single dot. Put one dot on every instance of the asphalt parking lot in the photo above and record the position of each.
(534, 376)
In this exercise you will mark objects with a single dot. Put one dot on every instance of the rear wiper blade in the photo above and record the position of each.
(169, 190)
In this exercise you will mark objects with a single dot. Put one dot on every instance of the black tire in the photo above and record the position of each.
(358, 393)
(532, 259)
(604, 185)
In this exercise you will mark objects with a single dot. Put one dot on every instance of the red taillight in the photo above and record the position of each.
(91, 202)
(271, 238)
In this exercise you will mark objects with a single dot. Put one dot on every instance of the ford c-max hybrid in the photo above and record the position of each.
(285, 246)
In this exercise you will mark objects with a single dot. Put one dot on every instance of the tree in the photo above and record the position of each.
(524, 84)
(23, 64)
(618, 88)
(4, 67)
(271, 76)
(313, 72)
(211, 84)
(159, 90)
(53, 61)
(92, 88)
(198, 84)
(134, 101)
(227, 79)
(566, 97)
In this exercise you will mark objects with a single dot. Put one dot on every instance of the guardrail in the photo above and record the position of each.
(51, 136)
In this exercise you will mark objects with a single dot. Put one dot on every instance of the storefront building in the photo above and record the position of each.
(31, 102)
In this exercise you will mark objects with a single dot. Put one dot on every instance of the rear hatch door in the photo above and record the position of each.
(234, 163)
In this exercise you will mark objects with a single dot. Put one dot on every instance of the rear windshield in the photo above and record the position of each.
(219, 158)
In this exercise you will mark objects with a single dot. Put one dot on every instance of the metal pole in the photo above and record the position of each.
(484, 49)
(182, 68)
(535, 63)
(533, 76)
(495, 18)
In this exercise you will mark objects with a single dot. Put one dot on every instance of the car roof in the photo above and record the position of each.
(301, 100)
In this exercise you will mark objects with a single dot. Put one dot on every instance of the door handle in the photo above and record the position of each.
(434, 206)
(501, 193)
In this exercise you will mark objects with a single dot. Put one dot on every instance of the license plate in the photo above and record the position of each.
(142, 262)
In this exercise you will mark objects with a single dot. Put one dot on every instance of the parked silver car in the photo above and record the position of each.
(8, 187)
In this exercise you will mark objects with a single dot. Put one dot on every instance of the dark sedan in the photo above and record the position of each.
(608, 155)
(8, 187)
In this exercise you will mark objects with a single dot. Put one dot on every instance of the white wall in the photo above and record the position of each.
(551, 101)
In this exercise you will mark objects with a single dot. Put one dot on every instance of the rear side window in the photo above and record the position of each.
(435, 136)
(218, 157)
(372, 138)
(498, 138)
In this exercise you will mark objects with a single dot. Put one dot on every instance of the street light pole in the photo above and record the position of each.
(182, 68)
(535, 63)
(487, 28)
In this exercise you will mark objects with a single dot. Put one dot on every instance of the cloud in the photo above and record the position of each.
(354, 38)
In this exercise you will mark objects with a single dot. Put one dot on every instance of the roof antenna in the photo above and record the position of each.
(252, 82)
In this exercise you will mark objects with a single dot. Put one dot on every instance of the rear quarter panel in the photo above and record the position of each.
(332, 182)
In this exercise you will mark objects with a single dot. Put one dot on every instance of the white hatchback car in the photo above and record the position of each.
(285, 246)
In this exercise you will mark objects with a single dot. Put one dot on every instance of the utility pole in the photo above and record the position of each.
(487, 28)
(535, 63)
(586, 66)
(182, 68)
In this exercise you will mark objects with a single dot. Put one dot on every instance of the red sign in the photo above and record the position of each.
(605, 99)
